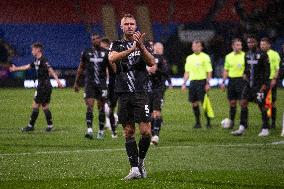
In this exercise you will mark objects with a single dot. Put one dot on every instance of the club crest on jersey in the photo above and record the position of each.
(135, 53)
(257, 56)
(240, 65)
(37, 63)
(156, 60)
(197, 64)
(103, 54)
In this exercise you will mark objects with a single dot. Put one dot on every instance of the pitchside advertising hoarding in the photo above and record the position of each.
(176, 82)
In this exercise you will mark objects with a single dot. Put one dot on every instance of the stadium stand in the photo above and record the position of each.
(64, 26)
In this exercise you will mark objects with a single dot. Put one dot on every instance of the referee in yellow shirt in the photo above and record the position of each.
(199, 70)
(274, 60)
(234, 69)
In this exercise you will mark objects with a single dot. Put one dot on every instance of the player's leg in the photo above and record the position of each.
(126, 118)
(193, 98)
(156, 120)
(142, 116)
(48, 117)
(101, 109)
(156, 126)
(244, 97)
(232, 99)
(264, 117)
(112, 104)
(89, 117)
(131, 150)
(45, 107)
(201, 94)
(274, 109)
(113, 123)
(33, 117)
(144, 143)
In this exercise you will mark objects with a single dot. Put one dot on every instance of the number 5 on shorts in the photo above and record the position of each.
(147, 111)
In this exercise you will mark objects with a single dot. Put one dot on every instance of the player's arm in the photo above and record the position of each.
(209, 77)
(274, 79)
(165, 72)
(225, 74)
(185, 78)
(266, 72)
(152, 70)
(148, 57)
(209, 70)
(115, 56)
(54, 75)
(79, 73)
(14, 68)
(246, 71)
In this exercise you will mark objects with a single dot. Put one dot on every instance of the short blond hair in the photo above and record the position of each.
(127, 16)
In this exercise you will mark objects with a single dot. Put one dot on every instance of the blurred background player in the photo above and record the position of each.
(129, 57)
(234, 70)
(159, 50)
(111, 97)
(256, 85)
(158, 75)
(198, 69)
(44, 88)
(274, 60)
(93, 64)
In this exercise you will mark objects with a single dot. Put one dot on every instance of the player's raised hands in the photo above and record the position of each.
(139, 38)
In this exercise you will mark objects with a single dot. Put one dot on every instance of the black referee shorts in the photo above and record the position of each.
(156, 100)
(197, 90)
(235, 88)
(43, 94)
(133, 108)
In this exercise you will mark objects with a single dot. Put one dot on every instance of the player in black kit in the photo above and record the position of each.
(256, 75)
(158, 75)
(111, 97)
(129, 58)
(93, 64)
(44, 88)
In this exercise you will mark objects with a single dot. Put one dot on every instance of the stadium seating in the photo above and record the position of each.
(64, 26)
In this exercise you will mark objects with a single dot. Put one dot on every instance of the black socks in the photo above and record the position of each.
(34, 116)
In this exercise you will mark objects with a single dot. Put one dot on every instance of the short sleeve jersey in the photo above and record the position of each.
(131, 73)
(41, 67)
(198, 65)
(274, 60)
(235, 64)
(95, 62)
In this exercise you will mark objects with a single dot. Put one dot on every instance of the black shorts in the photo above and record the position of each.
(197, 90)
(156, 100)
(235, 88)
(251, 94)
(133, 108)
(112, 98)
(92, 91)
(43, 94)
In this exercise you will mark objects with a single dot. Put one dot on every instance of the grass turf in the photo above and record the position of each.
(185, 157)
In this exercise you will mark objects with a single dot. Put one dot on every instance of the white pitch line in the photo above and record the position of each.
(153, 148)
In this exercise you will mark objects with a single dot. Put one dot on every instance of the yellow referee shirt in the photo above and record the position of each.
(274, 60)
(235, 64)
(198, 65)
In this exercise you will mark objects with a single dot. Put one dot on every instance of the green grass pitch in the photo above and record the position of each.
(185, 158)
